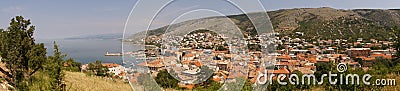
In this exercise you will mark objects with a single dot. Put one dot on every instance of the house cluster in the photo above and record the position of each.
(113, 68)
(338, 50)
(197, 50)
(190, 56)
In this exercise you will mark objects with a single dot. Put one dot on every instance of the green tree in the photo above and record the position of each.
(359, 60)
(54, 66)
(21, 55)
(71, 65)
(165, 80)
(322, 68)
(247, 86)
(396, 33)
(358, 46)
(98, 69)
(397, 69)
(208, 85)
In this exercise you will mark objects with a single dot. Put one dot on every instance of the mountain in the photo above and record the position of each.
(329, 23)
(97, 37)
(315, 23)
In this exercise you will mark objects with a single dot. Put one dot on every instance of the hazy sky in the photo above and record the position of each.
(60, 19)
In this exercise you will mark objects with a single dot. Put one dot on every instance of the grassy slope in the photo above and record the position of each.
(393, 88)
(77, 81)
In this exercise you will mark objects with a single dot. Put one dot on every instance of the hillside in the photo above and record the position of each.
(329, 23)
(77, 81)
(316, 23)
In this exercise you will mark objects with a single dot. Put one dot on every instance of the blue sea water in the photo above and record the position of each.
(87, 50)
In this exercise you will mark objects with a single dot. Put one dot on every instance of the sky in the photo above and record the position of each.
(56, 19)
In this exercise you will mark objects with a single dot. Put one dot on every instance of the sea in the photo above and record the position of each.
(89, 50)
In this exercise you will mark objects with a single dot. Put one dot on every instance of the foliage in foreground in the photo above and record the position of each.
(20, 54)
(96, 68)
(26, 64)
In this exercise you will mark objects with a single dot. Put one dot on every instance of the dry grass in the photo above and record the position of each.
(396, 87)
(77, 81)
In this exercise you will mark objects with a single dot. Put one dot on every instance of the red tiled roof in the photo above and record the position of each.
(197, 63)
(279, 71)
(217, 79)
(253, 74)
(284, 57)
(282, 63)
(382, 55)
(313, 60)
(189, 55)
(323, 60)
(155, 63)
(110, 65)
(189, 86)
(185, 62)
(368, 59)
(353, 63)
(220, 51)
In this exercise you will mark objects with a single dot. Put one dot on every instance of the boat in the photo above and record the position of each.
(113, 54)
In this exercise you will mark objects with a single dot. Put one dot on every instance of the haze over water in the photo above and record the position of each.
(86, 50)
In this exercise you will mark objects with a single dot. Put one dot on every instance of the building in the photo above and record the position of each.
(358, 52)
(114, 68)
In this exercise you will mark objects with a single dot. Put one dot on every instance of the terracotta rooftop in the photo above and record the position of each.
(279, 71)
(358, 49)
(368, 58)
(188, 86)
(323, 60)
(110, 65)
(155, 63)
(282, 63)
(253, 74)
(197, 63)
(353, 63)
(220, 51)
(189, 55)
(217, 79)
(313, 60)
(382, 55)
(185, 62)
(284, 57)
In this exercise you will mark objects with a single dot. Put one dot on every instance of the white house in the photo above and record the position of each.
(114, 68)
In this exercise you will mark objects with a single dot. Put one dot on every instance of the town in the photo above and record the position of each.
(205, 50)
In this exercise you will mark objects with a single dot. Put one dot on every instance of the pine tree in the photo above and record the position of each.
(20, 54)
(54, 68)
(98, 69)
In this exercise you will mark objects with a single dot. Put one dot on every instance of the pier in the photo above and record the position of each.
(113, 54)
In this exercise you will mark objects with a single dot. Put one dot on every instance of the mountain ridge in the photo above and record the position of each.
(316, 23)
(97, 36)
